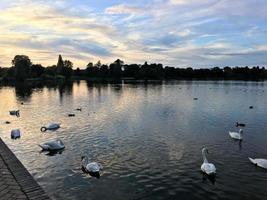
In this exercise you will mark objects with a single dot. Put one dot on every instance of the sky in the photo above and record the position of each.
(179, 33)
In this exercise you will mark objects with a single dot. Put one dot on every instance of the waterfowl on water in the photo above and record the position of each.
(236, 135)
(15, 133)
(79, 109)
(71, 115)
(53, 145)
(250, 107)
(195, 98)
(52, 126)
(14, 112)
(260, 162)
(92, 168)
(240, 124)
(206, 167)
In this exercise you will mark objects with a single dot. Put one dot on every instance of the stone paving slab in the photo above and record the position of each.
(15, 180)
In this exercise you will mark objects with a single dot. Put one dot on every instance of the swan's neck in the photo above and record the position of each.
(85, 160)
(205, 160)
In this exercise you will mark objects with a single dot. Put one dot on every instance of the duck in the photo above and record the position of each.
(14, 112)
(236, 135)
(53, 145)
(71, 115)
(206, 167)
(79, 109)
(195, 98)
(260, 162)
(92, 168)
(251, 107)
(240, 124)
(51, 126)
(15, 133)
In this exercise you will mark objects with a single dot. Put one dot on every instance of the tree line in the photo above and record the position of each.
(22, 69)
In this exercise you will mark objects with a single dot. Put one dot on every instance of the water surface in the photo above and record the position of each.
(148, 137)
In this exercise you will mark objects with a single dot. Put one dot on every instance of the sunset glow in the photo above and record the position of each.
(180, 33)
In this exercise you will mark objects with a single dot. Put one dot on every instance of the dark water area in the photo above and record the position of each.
(148, 138)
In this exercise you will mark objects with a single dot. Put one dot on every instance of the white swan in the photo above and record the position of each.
(91, 167)
(53, 145)
(52, 126)
(259, 162)
(15, 133)
(236, 135)
(206, 167)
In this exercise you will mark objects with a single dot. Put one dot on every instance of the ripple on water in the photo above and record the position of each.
(147, 137)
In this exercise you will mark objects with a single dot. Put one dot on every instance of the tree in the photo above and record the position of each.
(92, 70)
(68, 64)
(115, 68)
(7, 72)
(90, 64)
(64, 67)
(36, 70)
(103, 71)
(22, 66)
(131, 70)
(98, 64)
(67, 68)
(119, 62)
(170, 72)
(77, 72)
(60, 65)
(51, 70)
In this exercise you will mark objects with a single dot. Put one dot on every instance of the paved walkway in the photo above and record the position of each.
(15, 181)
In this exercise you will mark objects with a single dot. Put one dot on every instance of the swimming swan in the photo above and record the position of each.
(260, 162)
(206, 167)
(92, 168)
(52, 126)
(53, 145)
(236, 135)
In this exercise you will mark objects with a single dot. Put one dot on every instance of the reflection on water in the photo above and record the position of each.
(211, 179)
(51, 153)
(148, 137)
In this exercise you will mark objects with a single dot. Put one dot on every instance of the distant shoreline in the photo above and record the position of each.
(24, 70)
(113, 80)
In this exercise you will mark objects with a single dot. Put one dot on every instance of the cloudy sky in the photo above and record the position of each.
(197, 33)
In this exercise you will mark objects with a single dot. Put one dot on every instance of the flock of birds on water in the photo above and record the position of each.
(56, 145)
(210, 169)
(94, 168)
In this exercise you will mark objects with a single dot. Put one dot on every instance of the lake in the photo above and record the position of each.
(148, 138)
